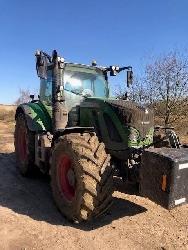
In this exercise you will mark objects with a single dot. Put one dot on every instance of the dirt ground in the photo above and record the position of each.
(30, 220)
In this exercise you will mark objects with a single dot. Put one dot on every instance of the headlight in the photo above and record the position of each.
(134, 135)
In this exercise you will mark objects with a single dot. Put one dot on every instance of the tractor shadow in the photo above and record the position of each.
(32, 197)
(126, 188)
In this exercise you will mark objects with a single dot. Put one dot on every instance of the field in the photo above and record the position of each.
(30, 220)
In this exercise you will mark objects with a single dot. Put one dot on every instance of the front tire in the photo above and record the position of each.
(24, 141)
(173, 138)
(81, 176)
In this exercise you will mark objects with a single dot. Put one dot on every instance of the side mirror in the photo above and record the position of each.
(129, 78)
(41, 65)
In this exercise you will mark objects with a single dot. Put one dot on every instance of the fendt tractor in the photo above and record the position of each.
(83, 138)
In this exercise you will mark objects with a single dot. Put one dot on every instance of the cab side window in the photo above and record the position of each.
(46, 89)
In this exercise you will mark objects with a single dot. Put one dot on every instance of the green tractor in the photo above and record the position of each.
(81, 137)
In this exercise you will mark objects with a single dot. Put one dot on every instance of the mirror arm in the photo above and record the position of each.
(125, 68)
(120, 69)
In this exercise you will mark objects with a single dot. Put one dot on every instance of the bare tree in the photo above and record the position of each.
(24, 96)
(164, 87)
(166, 80)
(137, 91)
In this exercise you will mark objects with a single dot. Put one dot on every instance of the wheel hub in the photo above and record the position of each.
(71, 177)
(66, 177)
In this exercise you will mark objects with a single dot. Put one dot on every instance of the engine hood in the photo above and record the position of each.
(133, 115)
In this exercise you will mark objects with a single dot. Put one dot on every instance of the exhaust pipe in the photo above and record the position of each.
(59, 111)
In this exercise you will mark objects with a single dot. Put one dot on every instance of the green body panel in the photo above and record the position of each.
(38, 116)
(92, 112)
(100, 106)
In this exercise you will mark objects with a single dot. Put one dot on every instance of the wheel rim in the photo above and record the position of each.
(66, 177)
(22, 145)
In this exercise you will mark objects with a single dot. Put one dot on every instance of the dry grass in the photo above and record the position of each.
(7, 116)
(7, 107)
(7, 113)
(182, 130)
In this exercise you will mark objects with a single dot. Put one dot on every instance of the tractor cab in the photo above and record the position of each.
(78, 82)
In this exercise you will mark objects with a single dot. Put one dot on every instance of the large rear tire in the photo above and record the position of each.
(24, 141)
(81, 176)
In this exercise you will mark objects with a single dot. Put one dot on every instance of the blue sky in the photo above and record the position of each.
(112, 32)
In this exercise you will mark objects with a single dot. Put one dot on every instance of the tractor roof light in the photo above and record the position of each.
(94, 63)
(61, 59)
(37, 53)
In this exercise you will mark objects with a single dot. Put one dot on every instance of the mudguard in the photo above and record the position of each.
(37, 117)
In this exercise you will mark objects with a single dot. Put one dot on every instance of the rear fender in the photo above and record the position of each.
(72, 130)
(37, 118)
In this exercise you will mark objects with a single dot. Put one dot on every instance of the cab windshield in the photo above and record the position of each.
(85, 81)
